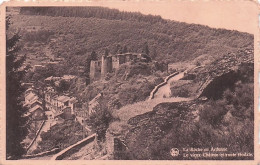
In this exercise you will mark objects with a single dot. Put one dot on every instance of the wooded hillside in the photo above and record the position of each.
(80, 30)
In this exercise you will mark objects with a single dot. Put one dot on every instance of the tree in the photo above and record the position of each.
(117, 49)
(99, 122)
(154, 54)
(100, 119)
(93, 55)
(63, 86)
(15, 123)
(106, 52)
(146, 49)
(125, 50)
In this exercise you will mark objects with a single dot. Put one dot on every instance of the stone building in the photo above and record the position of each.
(58, 103)
(99, 69)
(95, 70)
(106, 65)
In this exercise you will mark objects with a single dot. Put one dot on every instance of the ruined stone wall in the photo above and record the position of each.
(128, 57)
(98, 69)
(115, 62)
(95, 70)
(121, 59)
(106, 65)
(109, 64)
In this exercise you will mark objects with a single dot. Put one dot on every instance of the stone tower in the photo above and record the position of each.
(94, 70)
(106, 65)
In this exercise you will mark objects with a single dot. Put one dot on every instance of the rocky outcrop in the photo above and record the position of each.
(147, 130)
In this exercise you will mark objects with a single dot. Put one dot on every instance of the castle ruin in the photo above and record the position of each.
(99, 69)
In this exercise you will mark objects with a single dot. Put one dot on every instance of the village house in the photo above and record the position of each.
(69, 78)
(51, 79)
(30, 98)
(30, 95)
(56, 80)
(36, 113)
(33, 105)
(59, 104)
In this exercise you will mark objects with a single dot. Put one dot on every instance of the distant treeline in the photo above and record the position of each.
(88, 12)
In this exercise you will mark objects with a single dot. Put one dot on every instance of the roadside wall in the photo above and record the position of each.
(74, 148)
(161, 84)
(37, 134)
(53, 151)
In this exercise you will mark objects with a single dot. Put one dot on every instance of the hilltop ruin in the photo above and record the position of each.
(109, 63)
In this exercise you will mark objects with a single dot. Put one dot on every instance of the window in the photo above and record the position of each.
(66, 103)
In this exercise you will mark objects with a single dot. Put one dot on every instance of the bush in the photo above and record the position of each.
(61, 135)
(212, 113)
(40, 36)
(99, 121)
(182, 92)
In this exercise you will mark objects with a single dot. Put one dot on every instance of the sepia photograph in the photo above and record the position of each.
(104, 82)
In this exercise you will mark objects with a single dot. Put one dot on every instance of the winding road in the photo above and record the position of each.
(162, 95)
(165, 91)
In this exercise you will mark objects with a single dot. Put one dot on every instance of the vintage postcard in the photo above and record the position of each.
(150, 82)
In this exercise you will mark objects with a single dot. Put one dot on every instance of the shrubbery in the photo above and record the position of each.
(99, 121)
(40, 36)
(226, 123)
(61, 135)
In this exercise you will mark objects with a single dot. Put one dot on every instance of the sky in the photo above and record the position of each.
(235, 15)
(241, 15)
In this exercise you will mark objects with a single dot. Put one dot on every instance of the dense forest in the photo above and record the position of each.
(78, 31)
(89, 12)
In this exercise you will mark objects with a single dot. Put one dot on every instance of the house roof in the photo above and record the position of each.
(68, 77)
(29, 89)
(49, 90)
(48, 78)
(52, 78)
(33, 101)
(63, 98)
(73, 100)
(39, 65)
(31, 96)
(36, 100)
(35, 108)
(49, 113)
(26, 114)
(55, 97)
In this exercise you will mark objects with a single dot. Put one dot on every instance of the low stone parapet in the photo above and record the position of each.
(161, 84)
(53, 151)
(74, 148)
(37, 134)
